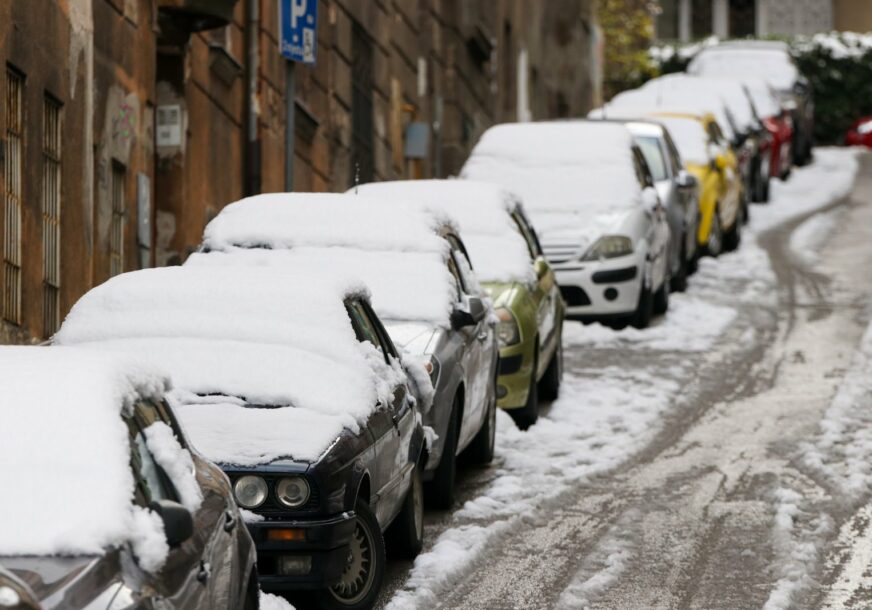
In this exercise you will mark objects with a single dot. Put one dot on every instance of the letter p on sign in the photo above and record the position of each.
(298, 9)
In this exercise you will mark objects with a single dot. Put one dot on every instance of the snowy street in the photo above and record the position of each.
(721, 458)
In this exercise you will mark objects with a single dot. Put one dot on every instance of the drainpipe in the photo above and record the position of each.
(252, 67)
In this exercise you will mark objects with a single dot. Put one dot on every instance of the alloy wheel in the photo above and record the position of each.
(356, 580)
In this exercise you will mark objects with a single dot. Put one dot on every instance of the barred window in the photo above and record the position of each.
(12, 203)
(119, 209)
(51, 215)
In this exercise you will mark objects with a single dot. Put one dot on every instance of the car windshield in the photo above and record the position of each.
(690, 138)
(650, 147)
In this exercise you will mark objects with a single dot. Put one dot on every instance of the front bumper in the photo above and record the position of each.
(514, 375)
(324, 545)
(600, 289)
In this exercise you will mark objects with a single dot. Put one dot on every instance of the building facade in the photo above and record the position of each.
(125, 125)
(686, 20)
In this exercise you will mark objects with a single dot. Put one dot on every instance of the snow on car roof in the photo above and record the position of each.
(286, 220)
(764, 97)
(689, 136)
(482, 210)
(270, 336)
(559, 167)
(700, 101)
(66, 452)
(774, 65)
(731, 91)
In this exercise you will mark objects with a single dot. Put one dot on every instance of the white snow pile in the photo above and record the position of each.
(828, 179)
(63, 437)
(268, 601)
(841, 45)
(482, 212)
(660, 54)
(570, 167)
(241, 338)
(176, 462)
(288, 220)
(692, 325)
(772, 64)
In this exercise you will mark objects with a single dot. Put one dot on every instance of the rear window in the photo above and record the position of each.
(650, 147)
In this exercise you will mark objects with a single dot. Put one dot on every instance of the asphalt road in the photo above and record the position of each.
(688, 521)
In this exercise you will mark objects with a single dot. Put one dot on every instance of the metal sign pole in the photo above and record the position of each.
(289, 125)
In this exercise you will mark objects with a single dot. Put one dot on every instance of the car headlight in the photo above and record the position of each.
(508, 331)
(250, 491)
(609, 246)
(293, 492)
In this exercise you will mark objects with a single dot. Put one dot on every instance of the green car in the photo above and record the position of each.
(508, 260)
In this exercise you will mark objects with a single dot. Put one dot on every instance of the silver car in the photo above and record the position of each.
(679, 193)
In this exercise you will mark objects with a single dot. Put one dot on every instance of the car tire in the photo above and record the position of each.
(439, 492)
(481, 449)
(367, 557)
(527, 415)
(733, 237)
(661, 298)
(678, 283)
(405, 537)
(644, 310)
(549, 385)
(715, 244)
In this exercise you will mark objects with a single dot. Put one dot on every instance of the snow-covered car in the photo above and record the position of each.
(860, 133)
(116, 511)
(512, 268)
(591, 196)
(771, 61)
(751, 141)
(290, 383)
(678, 190)
(423, 289)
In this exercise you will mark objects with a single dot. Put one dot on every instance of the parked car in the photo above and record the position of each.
(750, 140)
(509, 262)
(678, 190)
(591, 196)
(708, 156)
(423, 288)
(777, 121)
(302, 402)
(860, 133)
(118, 512)
(771, 61)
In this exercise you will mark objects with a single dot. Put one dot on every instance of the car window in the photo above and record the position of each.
(152, 483)
(653, 153)
(384, 337)
(363, 326)
(674, 155)
(463, 266)
(643, 172)
(458, 284)
(715, 133)
(528, 234)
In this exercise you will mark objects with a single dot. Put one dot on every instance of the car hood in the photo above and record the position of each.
(567, 236)
(413, 337)
(68, 582)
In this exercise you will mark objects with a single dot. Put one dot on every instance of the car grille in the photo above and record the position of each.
(560, 253)
(574, 296)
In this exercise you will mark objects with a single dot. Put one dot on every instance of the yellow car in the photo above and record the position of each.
(707, 154)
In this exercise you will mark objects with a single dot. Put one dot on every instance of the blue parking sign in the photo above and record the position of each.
(298, 22)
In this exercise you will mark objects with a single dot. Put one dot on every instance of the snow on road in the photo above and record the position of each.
(605, 415)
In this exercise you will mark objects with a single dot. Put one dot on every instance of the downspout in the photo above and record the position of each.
(252, 67)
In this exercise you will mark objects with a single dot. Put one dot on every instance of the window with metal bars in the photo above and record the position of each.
(119, 214)
(51, 214)
(12, 174)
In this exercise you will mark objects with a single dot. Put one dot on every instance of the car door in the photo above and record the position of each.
(545, 293)
(218, 516)
(686, 195)
(658, 228)
(179, 582)
(478, 357)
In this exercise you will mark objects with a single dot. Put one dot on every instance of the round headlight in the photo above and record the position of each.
(293, 492)
(250, 491)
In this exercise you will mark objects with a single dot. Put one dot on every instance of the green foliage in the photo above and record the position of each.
(628, 29)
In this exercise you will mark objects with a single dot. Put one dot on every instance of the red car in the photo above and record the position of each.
(860, 133)
(780, 127)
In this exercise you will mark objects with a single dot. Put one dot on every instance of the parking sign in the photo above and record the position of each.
(298, 21)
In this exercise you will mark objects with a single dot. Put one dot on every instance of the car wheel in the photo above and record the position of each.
(440, 491)
(361, 581)
(481, 449)
(549, 386)
(715, 244)
(733, 237)
(679, 280)
(527, 415)
(644, 310)
(661, 298)
(405, 537)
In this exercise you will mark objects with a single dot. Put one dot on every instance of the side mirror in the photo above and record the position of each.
(474, 313)
(721, 162)
(177, 520)
(650, 198)
(686, 180)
